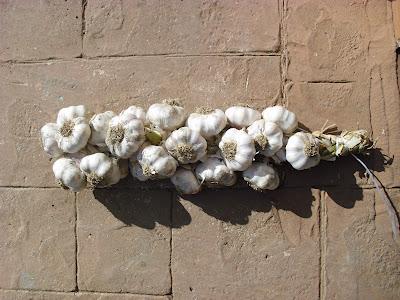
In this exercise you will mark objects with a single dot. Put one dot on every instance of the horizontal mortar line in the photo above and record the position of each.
(177, 55)
(123, 293)
(328, 81)
(80, 292)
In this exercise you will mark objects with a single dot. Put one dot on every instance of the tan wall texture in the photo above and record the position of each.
(324, 234)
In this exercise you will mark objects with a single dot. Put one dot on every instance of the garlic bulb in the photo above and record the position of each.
(167, 116)
(213, 172)
(73, 128)
(209, 122)
(302, 151)
(356, 141)
(237, 149)
(261, 176)
(280, 156)
(137, 171)
(186, 145)
(134, 112)
(185, 181)
(267, 136)
(155, 162)
(284, 118)
(125, 135)
(49, 140)
(100, 170)
(241, 116)
(99, 124)
(68, 175)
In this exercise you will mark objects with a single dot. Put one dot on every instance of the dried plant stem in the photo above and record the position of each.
(389, 205)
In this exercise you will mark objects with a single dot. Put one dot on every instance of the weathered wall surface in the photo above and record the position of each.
(324, 234)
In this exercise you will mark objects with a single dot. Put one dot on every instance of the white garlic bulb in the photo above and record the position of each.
(167, 116)
(49, 134)
(156, 163)
(186, 145)
(100, 170)
(99, 124)
(186, 182)
(125, 135)
(302, 151)
(284, 118)
(68, 175)
(280, 156)
(209, 122)
(134, 112)
(241, 116)
(237, 149)
(73, 128)
(213, 172)
(261, 176)
(267, 136)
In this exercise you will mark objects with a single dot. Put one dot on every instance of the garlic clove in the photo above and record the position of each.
(261, 176)
(208, 122)
(133, 112)
(284, 118)
(185, 182)
(241, 116)
(68, 175)
(167, 116)
(99, 124)
(71, 112)
(49, 134)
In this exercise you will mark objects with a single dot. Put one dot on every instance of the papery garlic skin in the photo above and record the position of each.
(136, 171)
(166, 116)
(267, 135)
(99, 124)
(186, 182)
(49, 134)
(68, 175)
(213, 172)
(302, 151)
(280, 156)
(134, 112)
(207, 122)
(284, 118)
(356, 141)
(156, 163)
(124, 136)
(73, 128)
(186, 145)
(261, 176)
(237, 148)
(100, 170)
(241, 116)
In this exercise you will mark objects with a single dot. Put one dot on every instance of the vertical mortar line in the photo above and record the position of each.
(83, 25)
(323, 216)
(76, 242)
(283, 49)
(172, 197)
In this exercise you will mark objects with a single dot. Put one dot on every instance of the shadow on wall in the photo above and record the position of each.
(161, 204)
